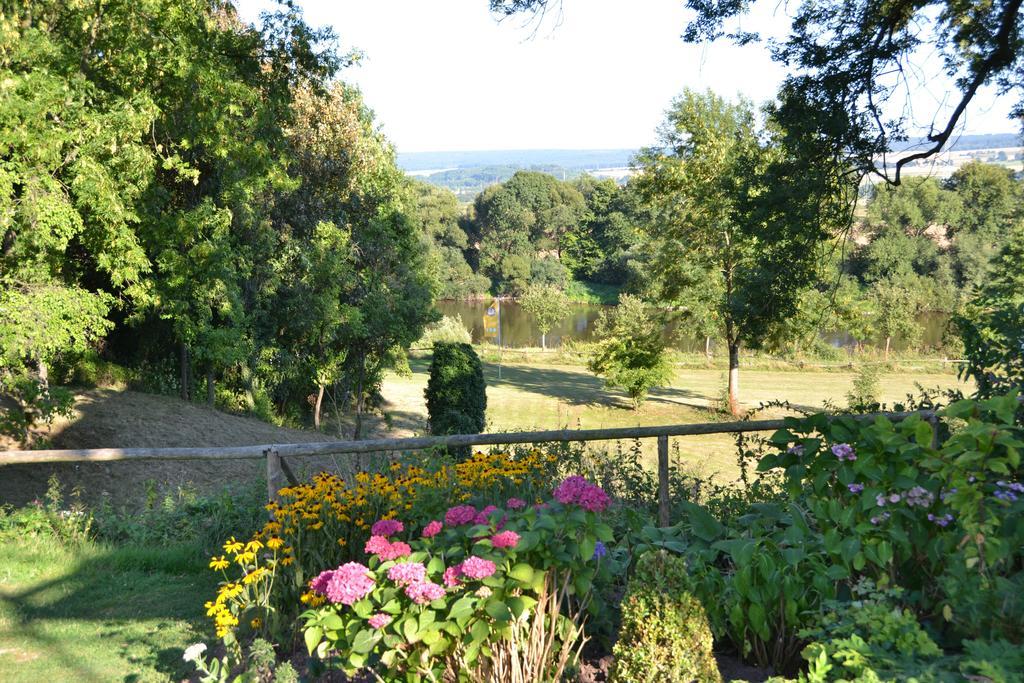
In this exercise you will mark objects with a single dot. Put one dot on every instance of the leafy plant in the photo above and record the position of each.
(664, 634)
(630, 353)
(456, 394)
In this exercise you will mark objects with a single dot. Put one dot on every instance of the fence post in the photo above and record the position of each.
(663, 502)
(934, 420)
(276, 479)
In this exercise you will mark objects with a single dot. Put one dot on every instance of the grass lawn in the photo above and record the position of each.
(99, 614)
(536, 396)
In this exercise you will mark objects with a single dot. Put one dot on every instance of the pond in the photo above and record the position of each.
(519, 330)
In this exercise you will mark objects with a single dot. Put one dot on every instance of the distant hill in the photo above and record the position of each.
(968, 142)
(572, 159)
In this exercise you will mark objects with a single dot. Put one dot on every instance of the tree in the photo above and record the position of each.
(521, 221)
(547, 304)
(630, 352)
(439, 218)
(912, 207)
(992, 326)
(896, 311)
(456, 393)
(724, 207)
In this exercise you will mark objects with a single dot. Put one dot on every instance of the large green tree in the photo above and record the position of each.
(723, 207)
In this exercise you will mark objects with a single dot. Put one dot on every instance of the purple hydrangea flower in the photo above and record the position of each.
(941, 520)
(844, 451)
(600, 550)
(855, 488)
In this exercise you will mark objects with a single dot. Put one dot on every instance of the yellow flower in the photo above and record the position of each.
(285, 561)
(245, 558)
(256, 623)
(254, 575)
(219, 563)
(232, 546)
(341, 542)
(253, 546)
(275, 542)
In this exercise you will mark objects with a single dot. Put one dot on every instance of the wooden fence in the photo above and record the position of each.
(279, 474)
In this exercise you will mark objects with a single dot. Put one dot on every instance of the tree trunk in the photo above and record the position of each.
(183, 361)
(707, 348)
(44, 374)
(316, 406)
(888, 343)
(734, 378)
(544, 341)
(358, 429)
(211, 389)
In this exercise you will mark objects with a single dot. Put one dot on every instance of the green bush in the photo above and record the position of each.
(456, 393)
(665, 634)
(448, 329)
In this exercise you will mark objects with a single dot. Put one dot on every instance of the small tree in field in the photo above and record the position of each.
(456, 393)
(631, 349)
(547, 304)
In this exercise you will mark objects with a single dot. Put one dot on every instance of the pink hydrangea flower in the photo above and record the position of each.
(394, 551)
(459, 515)
(432, 529)
(405, 573)
(349, 584)
(476, 568)
(319, 584)
(387, 527)
(515, 504)
(505, 539)
(579, 491)
(376, 545)
(423, 592)
(484, 516)
(451, 575)
(380, 620)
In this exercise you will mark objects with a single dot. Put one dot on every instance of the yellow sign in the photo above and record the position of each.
(492, 320)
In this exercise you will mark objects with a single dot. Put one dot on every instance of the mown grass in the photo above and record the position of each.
(529, 396)
(92, 612)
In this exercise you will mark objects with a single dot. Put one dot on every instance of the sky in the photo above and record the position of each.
(445, 75)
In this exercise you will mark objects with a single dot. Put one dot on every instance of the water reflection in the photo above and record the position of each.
(518, 329)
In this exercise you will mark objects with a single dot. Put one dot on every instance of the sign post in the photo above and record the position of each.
(492, 327)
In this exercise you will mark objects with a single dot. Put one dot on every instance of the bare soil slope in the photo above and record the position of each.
(107, 418)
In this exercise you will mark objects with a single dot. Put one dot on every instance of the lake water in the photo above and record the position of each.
(518, 329)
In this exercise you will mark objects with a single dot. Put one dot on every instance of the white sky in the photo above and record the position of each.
(444, 75)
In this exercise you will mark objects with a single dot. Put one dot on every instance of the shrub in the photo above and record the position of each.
(328, 521)
(665, 634)
(456, 394)
(863, 396)
(630, 353)
(485, 595)
(449, 329)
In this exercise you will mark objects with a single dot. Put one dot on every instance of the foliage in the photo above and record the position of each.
(471, 598)
(863, 395)
(547, 305)
(456, 393)
(718, 225)
(448, 330)
(630, 352)
(992, 327)
(328, 521)
(30, 403)
(664, 634)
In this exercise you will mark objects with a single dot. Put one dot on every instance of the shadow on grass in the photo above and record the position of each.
(130, 601)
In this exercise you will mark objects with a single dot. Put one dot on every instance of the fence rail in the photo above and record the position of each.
(279, 474)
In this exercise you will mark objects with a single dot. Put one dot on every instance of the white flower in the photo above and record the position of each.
(193, 652)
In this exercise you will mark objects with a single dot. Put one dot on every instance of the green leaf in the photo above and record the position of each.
(312, 636)
(364, 641)
(587, 547)
(703, 524)
(463, 607)
(522, 572)
(498, 610)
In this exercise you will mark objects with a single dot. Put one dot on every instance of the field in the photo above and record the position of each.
(535, 396)
(96, 614)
